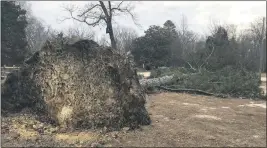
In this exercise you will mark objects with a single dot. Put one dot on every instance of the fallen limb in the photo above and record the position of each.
(197, 91)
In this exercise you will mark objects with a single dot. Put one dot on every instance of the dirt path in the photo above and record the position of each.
(177, 120)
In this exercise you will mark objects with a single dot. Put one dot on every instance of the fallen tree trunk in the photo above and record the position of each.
(158, 82)
(146, 83)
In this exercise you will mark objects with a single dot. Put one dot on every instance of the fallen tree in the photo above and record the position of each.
(81, 85)
(228, 81)
(162, 83)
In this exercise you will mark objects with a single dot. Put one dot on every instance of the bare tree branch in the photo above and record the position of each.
(95, 13)
(104, 8)
(124, 37)
(94, 23)
(126, 10)
(117, 6)
(110, 12)
(89, 9)
(207, 58)
(191, 66)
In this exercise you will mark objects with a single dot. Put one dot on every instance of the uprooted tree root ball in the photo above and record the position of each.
(81, 85)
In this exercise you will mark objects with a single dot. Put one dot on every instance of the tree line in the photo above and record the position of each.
(167, 45)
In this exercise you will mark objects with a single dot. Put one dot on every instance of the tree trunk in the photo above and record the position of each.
(111, 35)
(109, 23)
(158, 82)
(145, 83)
(261, 47)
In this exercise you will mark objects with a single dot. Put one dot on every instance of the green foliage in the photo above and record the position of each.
(222, 50)
(169, 24)
(153, 48)
(168, 46)
(230, 81)
(13, 38)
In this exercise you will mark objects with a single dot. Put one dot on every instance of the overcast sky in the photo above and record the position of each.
(199, 13)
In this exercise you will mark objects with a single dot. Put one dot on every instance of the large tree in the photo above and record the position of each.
(101, 14)
(219, 49)
(154, 47)
(13, 38)
(251, 42)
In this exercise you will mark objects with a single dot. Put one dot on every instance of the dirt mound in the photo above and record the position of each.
(81, 85)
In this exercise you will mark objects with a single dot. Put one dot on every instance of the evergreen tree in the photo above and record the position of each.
(13, 38)
(153, 48)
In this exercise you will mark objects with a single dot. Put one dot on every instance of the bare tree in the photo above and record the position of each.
(258, 30)
(36, 31)
(231, 30)
(36, 34)
(183, 25)
(80, 33)
(185, 44)
(187, 37)
(124, 37)
(214, 26)
(99, 13)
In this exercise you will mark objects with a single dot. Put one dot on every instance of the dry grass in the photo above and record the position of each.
(80, 137)
(178, 120)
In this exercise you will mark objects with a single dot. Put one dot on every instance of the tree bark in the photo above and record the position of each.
(145, 83)
(261, 47)
(109, 23)
(158, 82)
(111, 35)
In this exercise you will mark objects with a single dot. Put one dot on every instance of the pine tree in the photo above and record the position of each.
(13, 38)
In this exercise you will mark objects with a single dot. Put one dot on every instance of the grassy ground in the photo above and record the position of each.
(177, 120)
